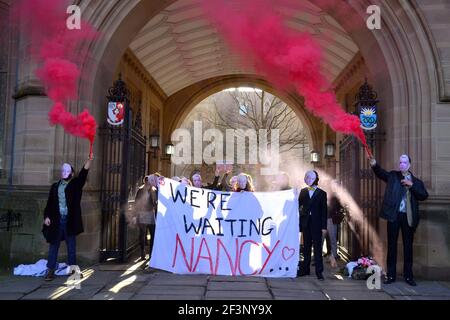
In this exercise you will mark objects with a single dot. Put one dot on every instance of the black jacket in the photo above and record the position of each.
(317, 205)
(335, 209)
(394, 194)
(212, 186)
(73, 191)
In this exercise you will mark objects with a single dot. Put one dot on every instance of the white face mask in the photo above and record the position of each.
(66, 171)
(310, 177)
(404, 164)
(242, 181)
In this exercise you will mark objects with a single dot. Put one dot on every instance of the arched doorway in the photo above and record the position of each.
(403, 84)
(248, 109)
(181, 103)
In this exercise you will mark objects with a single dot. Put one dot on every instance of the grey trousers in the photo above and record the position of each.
(332, 232)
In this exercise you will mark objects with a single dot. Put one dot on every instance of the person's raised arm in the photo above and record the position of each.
(88, 163)
(84, 171)
(378, 170)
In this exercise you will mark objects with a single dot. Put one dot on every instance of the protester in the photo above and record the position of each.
(401, 209)
(232, 184)
(186, 181)
(197, 181)
(145, 208)
(62, 214)
(334, 218)
(313, 223)
(244, 183)
(227, 184)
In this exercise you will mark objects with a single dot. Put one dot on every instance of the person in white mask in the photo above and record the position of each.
(313, 223)
(401, 209)
(62, 214)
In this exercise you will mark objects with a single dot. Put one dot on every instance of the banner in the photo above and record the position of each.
(200, 231)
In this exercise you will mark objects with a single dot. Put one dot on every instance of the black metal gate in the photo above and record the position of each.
(123, 167)
(358, 178)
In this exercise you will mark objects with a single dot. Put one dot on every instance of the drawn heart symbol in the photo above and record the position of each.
(288, 253)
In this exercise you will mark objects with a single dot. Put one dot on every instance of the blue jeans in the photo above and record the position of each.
(54, 247)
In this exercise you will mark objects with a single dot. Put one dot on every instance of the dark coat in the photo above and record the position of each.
(394, 194)
(224, 185)
(317, 206)
(335, 209)
(145, 205)
(73, 191)
(214, 185)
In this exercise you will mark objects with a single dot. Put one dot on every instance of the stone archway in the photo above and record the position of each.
(403, 63)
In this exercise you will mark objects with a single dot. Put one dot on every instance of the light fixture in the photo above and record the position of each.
(315, 157)
(154, 141)
(330, 150)
(170, 149)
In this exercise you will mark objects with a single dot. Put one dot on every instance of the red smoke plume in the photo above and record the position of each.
(57, 49)
(287, 58)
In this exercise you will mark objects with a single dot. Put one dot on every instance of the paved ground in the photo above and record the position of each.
(124, 282)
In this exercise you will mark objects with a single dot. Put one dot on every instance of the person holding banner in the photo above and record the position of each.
(186, 181)
(244, 183)
(224, 185)
(313, 223)
(62, 214)
(227, 184)
(335, 216)
(197, 181)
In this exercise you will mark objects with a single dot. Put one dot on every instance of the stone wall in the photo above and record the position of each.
(24, 242)
(434, 14)
(151, 97)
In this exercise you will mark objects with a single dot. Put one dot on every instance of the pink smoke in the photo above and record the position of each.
(57, 50)
(287, 58)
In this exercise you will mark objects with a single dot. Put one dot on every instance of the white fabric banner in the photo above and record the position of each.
(200, 231)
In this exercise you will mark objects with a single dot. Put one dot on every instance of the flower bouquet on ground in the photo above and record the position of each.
(360, 270)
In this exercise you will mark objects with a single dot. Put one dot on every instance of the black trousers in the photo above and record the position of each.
(143, 228)
(312, 239)
(393, 229)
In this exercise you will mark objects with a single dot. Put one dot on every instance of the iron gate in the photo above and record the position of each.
(123, 167)
(358, 178)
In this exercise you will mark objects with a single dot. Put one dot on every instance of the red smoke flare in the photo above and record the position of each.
(57, 49)
(287, 58)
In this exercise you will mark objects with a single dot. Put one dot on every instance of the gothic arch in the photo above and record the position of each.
(181, 103)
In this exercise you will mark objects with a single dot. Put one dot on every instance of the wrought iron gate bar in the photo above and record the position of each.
(122, 170)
